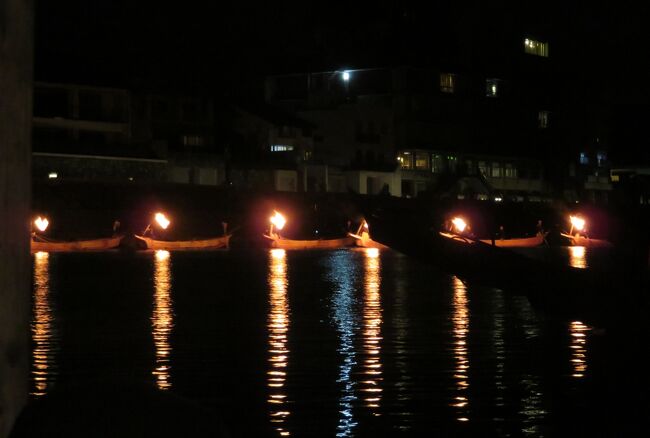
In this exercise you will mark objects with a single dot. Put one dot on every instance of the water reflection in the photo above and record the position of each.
(343, 303)
(460, 320)
(531, 385)
(278, 324)
(402, 346)
(44, 332)
(578, 257)
(162, 320)
(372, 372)
(577, 329)
(499, 347)
(578, 346)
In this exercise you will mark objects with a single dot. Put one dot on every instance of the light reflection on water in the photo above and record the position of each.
(577, 330)
(361, 380)
(162, 320)
(578, 257)
(278, 327)
(371, 387)
(384, 346)
(43, 327)
(342, 275)
(460, 320)
(402, 347)
(499, 349)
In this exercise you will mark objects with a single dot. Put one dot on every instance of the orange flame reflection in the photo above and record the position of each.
(43, 329)
(578, 346)
(278, 326)
(162, 320)
(460, 320)
(372, 319)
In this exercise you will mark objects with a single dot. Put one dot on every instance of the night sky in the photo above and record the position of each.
(600, 51)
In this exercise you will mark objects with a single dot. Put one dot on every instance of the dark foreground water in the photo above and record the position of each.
(336, 343)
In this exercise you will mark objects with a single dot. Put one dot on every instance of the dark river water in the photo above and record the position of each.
(341, 343)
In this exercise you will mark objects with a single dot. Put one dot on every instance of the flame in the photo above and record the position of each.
(577, 222)
(278, 220)
(162, 220)
(365, 225)
(459, 224)
(41, 223)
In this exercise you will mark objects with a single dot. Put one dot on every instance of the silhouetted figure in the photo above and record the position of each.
(116, 227)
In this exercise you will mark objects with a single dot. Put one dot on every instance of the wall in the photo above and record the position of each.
(371, 183)
(16, 30)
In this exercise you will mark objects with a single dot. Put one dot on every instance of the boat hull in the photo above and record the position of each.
(528, 242)
(78, 245)
(177, 245)
(587, 242)
(277, 242)
(365, 241)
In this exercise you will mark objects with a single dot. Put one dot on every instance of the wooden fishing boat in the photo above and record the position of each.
(363, 240)
(280, 242)
(578, 240)
(362, 237)
(41, 244)
(198, 244)
(564, 292)
(526, 242)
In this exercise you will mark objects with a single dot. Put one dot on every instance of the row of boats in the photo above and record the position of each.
(457, 230)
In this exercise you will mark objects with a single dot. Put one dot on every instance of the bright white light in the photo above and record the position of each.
(162, 220)
(53, 175)
(459, 224)
(346, 76)
(41, 223)
(498, 199)
(278, 220)
(577, 222)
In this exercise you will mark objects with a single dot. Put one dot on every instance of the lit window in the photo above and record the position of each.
(492, 87)
(422, 161)
(483, 168)
(53, 175)
(601, 157)
(542, 119)
(447, 82)
(281, 147)
(406, 160)
(193, 140)
(496, 170)
(538, 48)
(584, 158)
(307, 155)
(511, 171)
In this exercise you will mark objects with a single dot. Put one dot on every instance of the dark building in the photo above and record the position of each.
(110, 134)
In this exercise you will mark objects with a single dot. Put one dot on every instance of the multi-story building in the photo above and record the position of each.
(82, 132)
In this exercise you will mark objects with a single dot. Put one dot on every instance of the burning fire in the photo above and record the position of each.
(577, 222)
(41, 223)
(459, 224)
(162, 220)
(278, 220)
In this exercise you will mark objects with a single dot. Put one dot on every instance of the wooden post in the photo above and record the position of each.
(16, 61)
